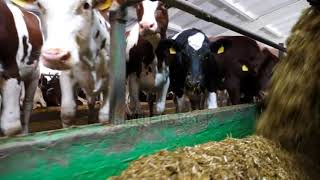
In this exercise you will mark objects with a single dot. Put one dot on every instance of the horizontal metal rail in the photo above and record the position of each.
(201, 14)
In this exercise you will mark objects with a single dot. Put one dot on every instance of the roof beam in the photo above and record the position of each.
(263, 21)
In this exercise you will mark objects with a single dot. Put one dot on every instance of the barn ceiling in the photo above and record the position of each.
(272, 19)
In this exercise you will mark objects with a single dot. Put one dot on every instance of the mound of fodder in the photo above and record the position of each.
(249, 158)
(292, 115)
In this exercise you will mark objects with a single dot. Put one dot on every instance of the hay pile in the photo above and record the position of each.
(249, 158)
(292, 115)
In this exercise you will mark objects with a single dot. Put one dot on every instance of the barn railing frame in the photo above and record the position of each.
(118, 20)
(206, 16)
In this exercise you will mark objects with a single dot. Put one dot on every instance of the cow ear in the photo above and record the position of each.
(167, 44)
(219, 46)
(102, 5)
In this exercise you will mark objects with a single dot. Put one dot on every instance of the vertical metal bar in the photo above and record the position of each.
(280, 52)
(117, 66)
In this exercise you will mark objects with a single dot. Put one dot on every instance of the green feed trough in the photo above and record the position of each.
(98, 152)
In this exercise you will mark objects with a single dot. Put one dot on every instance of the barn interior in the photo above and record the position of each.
(183, 145)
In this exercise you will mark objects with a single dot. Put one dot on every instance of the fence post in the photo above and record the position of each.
(118, 66)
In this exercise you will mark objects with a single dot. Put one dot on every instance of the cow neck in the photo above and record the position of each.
(98, 42)
(96, 56)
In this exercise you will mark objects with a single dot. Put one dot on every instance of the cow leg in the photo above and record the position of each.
(181, 104)
(105, 109)
(134, 88)
(161, 97)
(68, 104)
(212, 100)
(10, 113)
(233, 87)
(150, 103)
(92, 111)
(30, 89)
(22, 94)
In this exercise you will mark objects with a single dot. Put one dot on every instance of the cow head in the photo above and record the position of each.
(188, 55)
(68, 26)
(153, 18)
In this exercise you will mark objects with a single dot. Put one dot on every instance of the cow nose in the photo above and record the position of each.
(193, 84)
(55, 54)
(146, 26)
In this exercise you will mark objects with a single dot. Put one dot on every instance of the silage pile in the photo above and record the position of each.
(249, 158)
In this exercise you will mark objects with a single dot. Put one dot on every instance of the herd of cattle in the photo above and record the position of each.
(74, 36)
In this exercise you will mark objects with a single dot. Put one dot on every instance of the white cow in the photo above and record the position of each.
(77, 42)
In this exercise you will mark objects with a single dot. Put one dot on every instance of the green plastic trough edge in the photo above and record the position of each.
(97, 151)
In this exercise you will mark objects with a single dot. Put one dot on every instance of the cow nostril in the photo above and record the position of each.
(151, 25)
(65, 56)
(141, 25)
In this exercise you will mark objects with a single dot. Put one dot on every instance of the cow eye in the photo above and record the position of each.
(86, 5)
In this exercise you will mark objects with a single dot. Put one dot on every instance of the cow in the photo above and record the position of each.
(244, 67)
(193, 71)
(38, 100)
(77, 43)
(53, 92)
(20, 44)
(144, 71)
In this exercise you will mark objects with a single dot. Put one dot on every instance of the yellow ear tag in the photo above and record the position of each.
(21, 3)
(245, 68)
(172, 51)
(220, 50)
(105, 5)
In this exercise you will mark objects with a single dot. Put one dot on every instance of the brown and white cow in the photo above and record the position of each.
(77, 42)
(145, 72)
(20, 43)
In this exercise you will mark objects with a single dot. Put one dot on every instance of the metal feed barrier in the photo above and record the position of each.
(118, 21)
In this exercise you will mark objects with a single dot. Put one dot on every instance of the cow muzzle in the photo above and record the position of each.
(148, 28)
(56, 59)
(194, 87)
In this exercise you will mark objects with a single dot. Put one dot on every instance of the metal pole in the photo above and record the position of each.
(280, 52)
(199, 13)
(118, 66)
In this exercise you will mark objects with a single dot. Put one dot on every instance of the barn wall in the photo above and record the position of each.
(97, 152)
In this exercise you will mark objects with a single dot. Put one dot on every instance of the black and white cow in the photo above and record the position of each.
(193, 71)
(145, 72)
(77, 42)
(20, 44)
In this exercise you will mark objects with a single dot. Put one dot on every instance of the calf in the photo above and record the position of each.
(20, 43)
(192, 69)
(38, 100)
(145, 72)
(244, 68)
(53, 92)
(77, 43)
